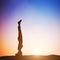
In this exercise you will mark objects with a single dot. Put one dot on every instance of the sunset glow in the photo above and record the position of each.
(40, 27)
(37, 52)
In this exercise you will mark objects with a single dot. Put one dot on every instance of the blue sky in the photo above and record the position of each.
(40, 26)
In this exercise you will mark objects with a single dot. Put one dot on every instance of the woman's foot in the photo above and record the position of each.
(19, 22)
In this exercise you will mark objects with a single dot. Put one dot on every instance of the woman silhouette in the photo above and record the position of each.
(19, 39)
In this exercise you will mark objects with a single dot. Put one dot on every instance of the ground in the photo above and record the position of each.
(50, 57)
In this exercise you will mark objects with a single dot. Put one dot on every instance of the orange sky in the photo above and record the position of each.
(40, 27)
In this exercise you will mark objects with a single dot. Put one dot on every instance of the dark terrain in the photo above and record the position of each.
(50, 57)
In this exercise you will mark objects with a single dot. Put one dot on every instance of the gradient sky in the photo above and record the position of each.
(40, 26)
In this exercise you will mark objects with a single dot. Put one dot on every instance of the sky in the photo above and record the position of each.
(40, 26)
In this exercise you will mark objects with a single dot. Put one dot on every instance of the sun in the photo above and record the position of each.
(37, 52)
